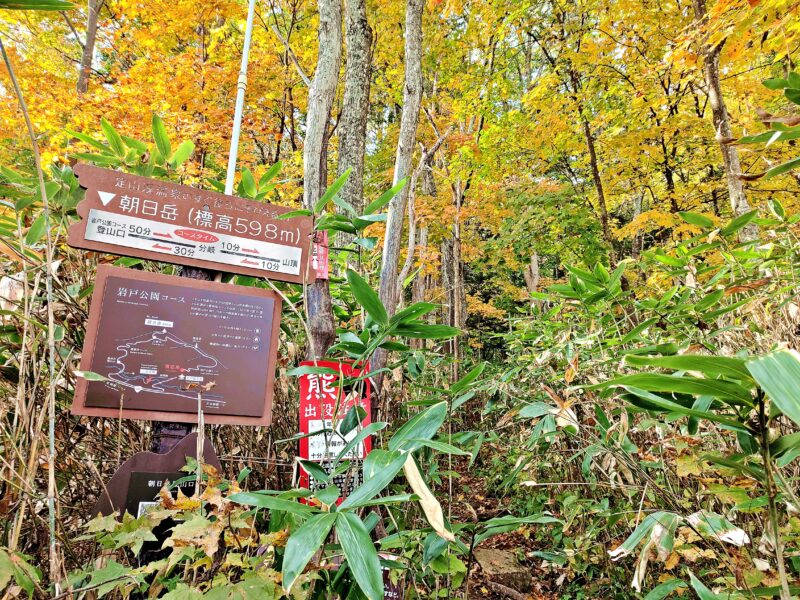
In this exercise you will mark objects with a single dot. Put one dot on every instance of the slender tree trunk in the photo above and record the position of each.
(412, 98)
(722, 126)
(355, 105)
(598, 185)
(320, 100)
(532, 276)
(93, 9)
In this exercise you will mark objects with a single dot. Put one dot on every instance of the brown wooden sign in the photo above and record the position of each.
(165, 344)
(157, 220)
(136, 484)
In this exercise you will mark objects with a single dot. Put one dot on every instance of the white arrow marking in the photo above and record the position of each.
(106, 197)
(137, 388)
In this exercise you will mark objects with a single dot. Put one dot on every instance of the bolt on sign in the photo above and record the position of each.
(157, 220)
(165, 345)
(325, 399)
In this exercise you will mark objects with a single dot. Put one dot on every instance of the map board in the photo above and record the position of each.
(157, 220)
(324, 402)
(163, 343)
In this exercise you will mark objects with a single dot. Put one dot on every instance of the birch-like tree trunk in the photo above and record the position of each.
(721, 120)
(412, 98)
(320, 100)
(355, 105)
(93, 9)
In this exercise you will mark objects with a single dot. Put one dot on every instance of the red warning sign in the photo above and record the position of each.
(325, 399)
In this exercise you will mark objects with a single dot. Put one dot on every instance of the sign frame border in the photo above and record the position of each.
(76, 232)
(81, 388)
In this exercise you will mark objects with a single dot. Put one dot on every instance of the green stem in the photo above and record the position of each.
(51, 344)
(771, 494)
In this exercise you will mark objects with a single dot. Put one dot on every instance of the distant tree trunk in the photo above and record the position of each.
(532, 277)
(412, 98)
(93, 9)
(355, 105)
(320, 100)
(722, 126)
(598, 184)
(638, 239)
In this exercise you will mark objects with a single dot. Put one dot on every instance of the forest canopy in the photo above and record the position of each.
(560, 301)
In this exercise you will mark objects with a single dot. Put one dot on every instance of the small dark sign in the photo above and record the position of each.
(157, 220)
(134, 489)
(168, 344)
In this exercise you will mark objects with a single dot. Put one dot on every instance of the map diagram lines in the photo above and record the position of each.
(160, 362)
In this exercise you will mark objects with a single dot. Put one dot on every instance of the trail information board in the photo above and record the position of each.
(157, 220)
(165, 343)
(324, 402)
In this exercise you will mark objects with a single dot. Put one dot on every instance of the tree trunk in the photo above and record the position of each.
(93, 9)
(598, 185)
(532, 277)
(412, 98)
(355, 105)
(722, 126)
(320, 100)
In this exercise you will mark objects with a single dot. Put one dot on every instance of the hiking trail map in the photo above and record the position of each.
(168, 343)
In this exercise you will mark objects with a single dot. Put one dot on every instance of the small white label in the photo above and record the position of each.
(335, 443)
(158, 323)
(194, 242)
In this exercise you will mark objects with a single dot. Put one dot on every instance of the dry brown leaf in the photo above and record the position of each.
(430, 505)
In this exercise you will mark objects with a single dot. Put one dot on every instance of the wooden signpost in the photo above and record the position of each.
(165, 344)
(157, 220)
(323, 402)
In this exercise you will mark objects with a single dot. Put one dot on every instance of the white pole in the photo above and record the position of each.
(241, 87)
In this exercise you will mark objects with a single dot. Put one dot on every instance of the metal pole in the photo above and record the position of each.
(241, 87)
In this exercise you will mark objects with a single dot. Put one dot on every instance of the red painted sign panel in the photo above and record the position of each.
(324, 402)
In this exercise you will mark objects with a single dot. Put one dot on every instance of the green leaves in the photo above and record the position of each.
(708, 365)
(36, 5)
(331, 191)
(380, 467)
(695, 386)
(303, 544)
(421, 427)
(367, 298)
(778, 374)
(114, 139)
(160, 136)
(271, 503)
(362, 558)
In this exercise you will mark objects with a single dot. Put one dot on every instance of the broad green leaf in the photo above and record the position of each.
(385, 197)
(331, 191)
(90, 375)
(367, 297)
(362, 558)
(695, 386)
(88, 140)
(424, 331)
(654, 402)
(354, 416)
(703, 593)
(271, 503)
(183, 152)
(740, 222)
(359, 437)
(160, 137)
(270, 174)
(248, 183)
(413, 312)
(783, 167)
(380, 467)
(327, 495)
(665, 589)
(775, 84)
(443, 447)
(114, 140)
(422, 426)
(36, 5)
(778, 374)
(301, 212)
(36, 230)
(303, 544)
(708, 365)
(697, 219)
